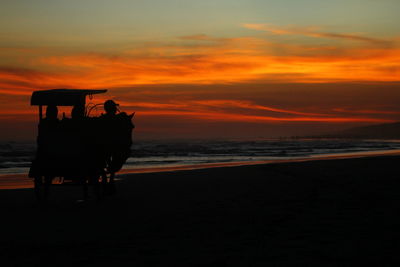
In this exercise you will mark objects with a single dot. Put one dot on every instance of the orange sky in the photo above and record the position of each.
(251, 80)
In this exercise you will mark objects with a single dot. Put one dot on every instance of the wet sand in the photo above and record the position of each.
(341, 212)
(21, 180)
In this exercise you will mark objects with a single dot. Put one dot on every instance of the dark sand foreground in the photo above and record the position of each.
(317, 213)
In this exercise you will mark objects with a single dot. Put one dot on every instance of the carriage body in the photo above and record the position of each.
(73, 152)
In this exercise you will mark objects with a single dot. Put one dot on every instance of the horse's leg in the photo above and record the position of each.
(47, 183)
(104, 182)
(112, 184)
(38, 183)
(96, 186)
(85, 189)
(104, 178)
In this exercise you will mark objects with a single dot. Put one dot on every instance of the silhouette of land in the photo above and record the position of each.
(317, 213)
(378, 131)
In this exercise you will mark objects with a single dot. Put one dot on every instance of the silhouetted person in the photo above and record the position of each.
(77, 112)
(48, 128)
(73, 143)
(48, 132)
(80, 148)
(110, 107)
(117, 129)
(47, 140)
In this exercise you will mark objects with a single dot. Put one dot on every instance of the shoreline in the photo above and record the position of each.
(22, 181)
(333, 156)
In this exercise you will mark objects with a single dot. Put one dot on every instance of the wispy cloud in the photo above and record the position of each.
(201, 60)
(234, 60)
(366, 111)
(252, 106)
(200, 37)
(234, 117)
(314, 32)
(224, 110)
(243, 111)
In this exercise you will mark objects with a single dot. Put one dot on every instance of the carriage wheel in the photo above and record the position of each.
(38, 187)
(93, 181)
(112, 190)
(104, 182)
(108, 184)
(41, 187)
(96, 186)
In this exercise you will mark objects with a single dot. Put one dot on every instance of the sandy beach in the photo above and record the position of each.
(338, 212)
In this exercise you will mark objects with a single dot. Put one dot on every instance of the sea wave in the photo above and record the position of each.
(16, 157)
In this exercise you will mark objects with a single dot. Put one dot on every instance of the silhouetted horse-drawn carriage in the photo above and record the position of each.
(82, 149)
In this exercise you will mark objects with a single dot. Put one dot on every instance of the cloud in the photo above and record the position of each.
(252, 106)
(239, 61)
(314, 32)
(366, 111)
(231, 64)
(219, 104)
(239, 111)
(201, 37)
(232, 61)
(234, 117)
(22, 81)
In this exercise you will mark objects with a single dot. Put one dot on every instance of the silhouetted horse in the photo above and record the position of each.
(117, 141)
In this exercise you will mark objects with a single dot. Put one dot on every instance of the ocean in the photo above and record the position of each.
(15, 157)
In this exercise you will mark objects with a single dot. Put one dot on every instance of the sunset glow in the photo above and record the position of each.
(223, 62)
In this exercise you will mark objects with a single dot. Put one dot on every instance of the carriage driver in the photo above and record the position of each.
(110, 107)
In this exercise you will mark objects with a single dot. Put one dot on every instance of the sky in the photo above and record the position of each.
(206, 69)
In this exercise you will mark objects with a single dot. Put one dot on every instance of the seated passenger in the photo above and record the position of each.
(48, 132)
(73, 143)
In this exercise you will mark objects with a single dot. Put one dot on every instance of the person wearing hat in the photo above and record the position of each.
(110, 107)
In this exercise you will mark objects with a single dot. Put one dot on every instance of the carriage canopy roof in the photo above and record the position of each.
(62, 97)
